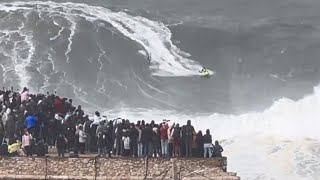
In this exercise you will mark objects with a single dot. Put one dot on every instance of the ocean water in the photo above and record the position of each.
(139, 59)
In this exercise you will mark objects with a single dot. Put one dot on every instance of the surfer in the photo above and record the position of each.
(204, 71)
(149, 57)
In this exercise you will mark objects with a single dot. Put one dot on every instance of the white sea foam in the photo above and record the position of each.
(18, 64)
(282, 142)
(154, 37)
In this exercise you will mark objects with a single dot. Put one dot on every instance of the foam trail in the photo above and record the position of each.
(58, 35)
(121, 85)
(150, 86)
(151, 97)
(72, 29)
(51, 61)
(102, 54)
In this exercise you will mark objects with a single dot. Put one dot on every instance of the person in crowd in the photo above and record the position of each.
(109, 138)
(26, 143)
(30, 122)
(61, 144)
(24, 95)
(80, 112)
(207, 140)
(58, 106)
(133, 135)
(176, 134)
(170, 140)
(139, 140)
(67, 106)
(93, 129)
(9, 124)
(101, 143)
(164, 139)
(188, 137)
(82, 139)
(87, 125)
(217, 149)
(100, 128)
(155, 141)
(200, 144)
(194, 145)
(126, 144)
(53, 128)
(147, 140)
(118, 132)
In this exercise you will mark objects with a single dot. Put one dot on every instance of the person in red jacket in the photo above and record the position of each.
(58, 106)
(164, 139)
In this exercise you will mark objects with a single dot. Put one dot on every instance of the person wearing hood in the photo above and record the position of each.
(207, 140)
(217, 149)
(79, 111)
(188, 136)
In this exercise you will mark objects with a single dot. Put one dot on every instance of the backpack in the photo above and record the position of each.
(176, 133)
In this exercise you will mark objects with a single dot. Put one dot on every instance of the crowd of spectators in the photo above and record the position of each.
(36, 122)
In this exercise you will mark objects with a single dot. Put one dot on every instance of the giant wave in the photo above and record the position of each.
(98, 56)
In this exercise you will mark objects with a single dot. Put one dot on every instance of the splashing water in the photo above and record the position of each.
(282, 142)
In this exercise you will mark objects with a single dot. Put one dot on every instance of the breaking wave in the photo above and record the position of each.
(128, 65)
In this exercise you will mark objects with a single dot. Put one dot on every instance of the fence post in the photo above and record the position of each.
(46, 158)
(95, 168)
(174, 169)
(146, 163)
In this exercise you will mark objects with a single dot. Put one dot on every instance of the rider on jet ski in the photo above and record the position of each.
(204, 70)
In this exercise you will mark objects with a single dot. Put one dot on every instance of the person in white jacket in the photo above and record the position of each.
(82, 139)
(96, 119)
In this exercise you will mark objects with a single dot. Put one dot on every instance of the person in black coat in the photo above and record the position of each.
(207, 140)
(61, 144)
(200, 143)
(217, 150)
(133, 135)
(146, 138)
(188, 137)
